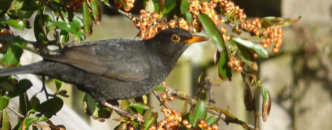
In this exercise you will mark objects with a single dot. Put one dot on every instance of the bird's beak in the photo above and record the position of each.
(196, 38)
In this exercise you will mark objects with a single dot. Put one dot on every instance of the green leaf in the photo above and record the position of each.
(278, 22)
(224, 71)
(23, 86)
(63, 93)
(212, 120)
(149, 6)
(8, 85)
(87, 19)
(16, 5)
(256, 47)
(69, 27)
(34, 102)
(89, 104)
(96, 10)
(199, 113)
(266, 104)
(40, 20)
(124, 105)
(167, 7)
(139, 107)
(184, 7)
(16, 23)
(12, 56)
(4, 100)
(150, 118)
(50, 107)
(58, 84)
(102, 112)
(212, 31)
(159, 88)
(24, 103)
(26, 123)
(214, 34)
(5, 124)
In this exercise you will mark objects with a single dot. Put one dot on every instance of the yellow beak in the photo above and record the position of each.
(196, 38)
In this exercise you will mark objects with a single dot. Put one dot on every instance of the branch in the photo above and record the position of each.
(129, 15)
(15, 112)
(222, 114)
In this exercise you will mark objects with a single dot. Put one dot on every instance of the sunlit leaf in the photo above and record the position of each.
(278, 22)
(12, 56)
(96, 10)
(149, 118)
(216, 37)
(212, 120)
(16, 5)
(69, 27)
(151, 6)
(87, 19)
(212, 31)
(198, 114)
(16, 23)
(266, 104)
(254, 46)
(5, 124)
(159, 87)
(139, 107)
(58, 84)
(4, 100)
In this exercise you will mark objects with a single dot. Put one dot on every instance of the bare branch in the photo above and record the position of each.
(15, 112)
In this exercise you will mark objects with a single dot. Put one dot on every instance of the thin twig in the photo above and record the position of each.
(129, 15)
(222, 114)
(123, 112)
(15, 112)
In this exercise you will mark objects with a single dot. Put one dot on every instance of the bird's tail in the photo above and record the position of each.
(37, 67)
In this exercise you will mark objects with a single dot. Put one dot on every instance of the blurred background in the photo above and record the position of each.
(299, 77)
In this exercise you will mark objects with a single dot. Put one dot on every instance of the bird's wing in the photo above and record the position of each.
(115, 59)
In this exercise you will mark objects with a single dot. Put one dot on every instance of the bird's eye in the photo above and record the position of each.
(175, 38)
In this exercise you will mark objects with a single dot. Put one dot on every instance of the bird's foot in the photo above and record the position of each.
(123, 112)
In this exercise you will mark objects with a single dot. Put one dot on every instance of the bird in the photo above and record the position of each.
(114, 69)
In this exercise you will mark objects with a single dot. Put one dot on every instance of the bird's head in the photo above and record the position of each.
(172, 42)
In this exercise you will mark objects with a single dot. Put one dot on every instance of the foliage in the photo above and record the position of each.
(239, 40)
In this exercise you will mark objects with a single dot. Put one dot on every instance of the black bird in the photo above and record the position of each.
(114, 69)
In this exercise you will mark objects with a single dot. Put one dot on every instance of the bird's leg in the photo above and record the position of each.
(122, 112)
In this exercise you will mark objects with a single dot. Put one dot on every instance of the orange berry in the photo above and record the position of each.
(275, 50)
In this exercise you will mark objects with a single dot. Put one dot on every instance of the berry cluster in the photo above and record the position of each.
(230, 10)
(165, 98)
(268, 35)
(151, 23)
(273, 35)
(204, 125)
(172, 120)
(129, 4)
(235, 64)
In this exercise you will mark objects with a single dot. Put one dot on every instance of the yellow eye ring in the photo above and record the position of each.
(175, 38)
